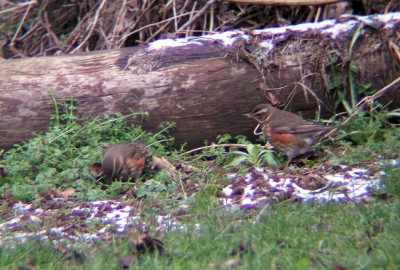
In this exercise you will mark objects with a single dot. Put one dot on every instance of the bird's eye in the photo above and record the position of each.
(259, 116)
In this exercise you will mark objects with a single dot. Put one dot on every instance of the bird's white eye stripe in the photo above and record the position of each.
(261, 111)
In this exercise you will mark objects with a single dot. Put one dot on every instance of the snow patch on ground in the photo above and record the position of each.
(345, 184)
(106, 216)
(82, 221)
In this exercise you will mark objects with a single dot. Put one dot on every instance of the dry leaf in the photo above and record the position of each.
(126, 261)
(163, 163)
(49, 194)
(240, 249)
(235, 256)
(325, 251)
(230, 263)
(270, 95)
(66, 193)
(69, 254)
(337, 266)
(378, 228)
(105, 145)
(143, 243)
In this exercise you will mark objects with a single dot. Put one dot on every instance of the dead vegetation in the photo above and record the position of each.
(53, 27)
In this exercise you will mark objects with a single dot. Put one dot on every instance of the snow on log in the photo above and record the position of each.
(204, 84)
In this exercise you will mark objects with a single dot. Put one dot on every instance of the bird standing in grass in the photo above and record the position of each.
(3, 171)
(122, 161)
(287, 131)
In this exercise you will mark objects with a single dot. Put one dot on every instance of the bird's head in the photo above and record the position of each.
(261, 112)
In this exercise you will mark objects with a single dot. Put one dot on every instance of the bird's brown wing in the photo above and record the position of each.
(300, 128)
(135, 149)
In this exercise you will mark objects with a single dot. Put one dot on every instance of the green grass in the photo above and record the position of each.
(61, 157)
(288, 235)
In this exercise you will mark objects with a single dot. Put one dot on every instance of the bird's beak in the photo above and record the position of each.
(256, 132)
(252, 116)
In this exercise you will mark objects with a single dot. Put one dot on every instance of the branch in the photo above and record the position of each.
(287, 2)
(363, 103)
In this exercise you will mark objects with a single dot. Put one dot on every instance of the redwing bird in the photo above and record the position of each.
(3, 170)
(287, 131)
(122, 161)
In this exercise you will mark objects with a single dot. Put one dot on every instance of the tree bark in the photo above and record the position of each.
(204, 85)
(194, 86)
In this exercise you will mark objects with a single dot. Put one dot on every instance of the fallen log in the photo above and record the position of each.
(203, 84)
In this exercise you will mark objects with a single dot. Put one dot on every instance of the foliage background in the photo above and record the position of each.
(54, 27)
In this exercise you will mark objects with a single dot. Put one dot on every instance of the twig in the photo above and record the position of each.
(369, 99)
(74, 35)
(189, 32)
(200, 13)
(154, 24)
(174, 12)
(32, 30)
(120, 18)
(211, 20)
(352, 86)
(20, 25)
(162, 28)
(364, 102)
(395, 49)
(22, 5)
(44, 21)
(96, 18)
(306, 90)
(138, 20)
(318, 14)
(286, 2)
(213, 146)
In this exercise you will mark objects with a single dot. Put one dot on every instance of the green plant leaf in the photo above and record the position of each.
(253, 150)
(269, 158)
(237, 160)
